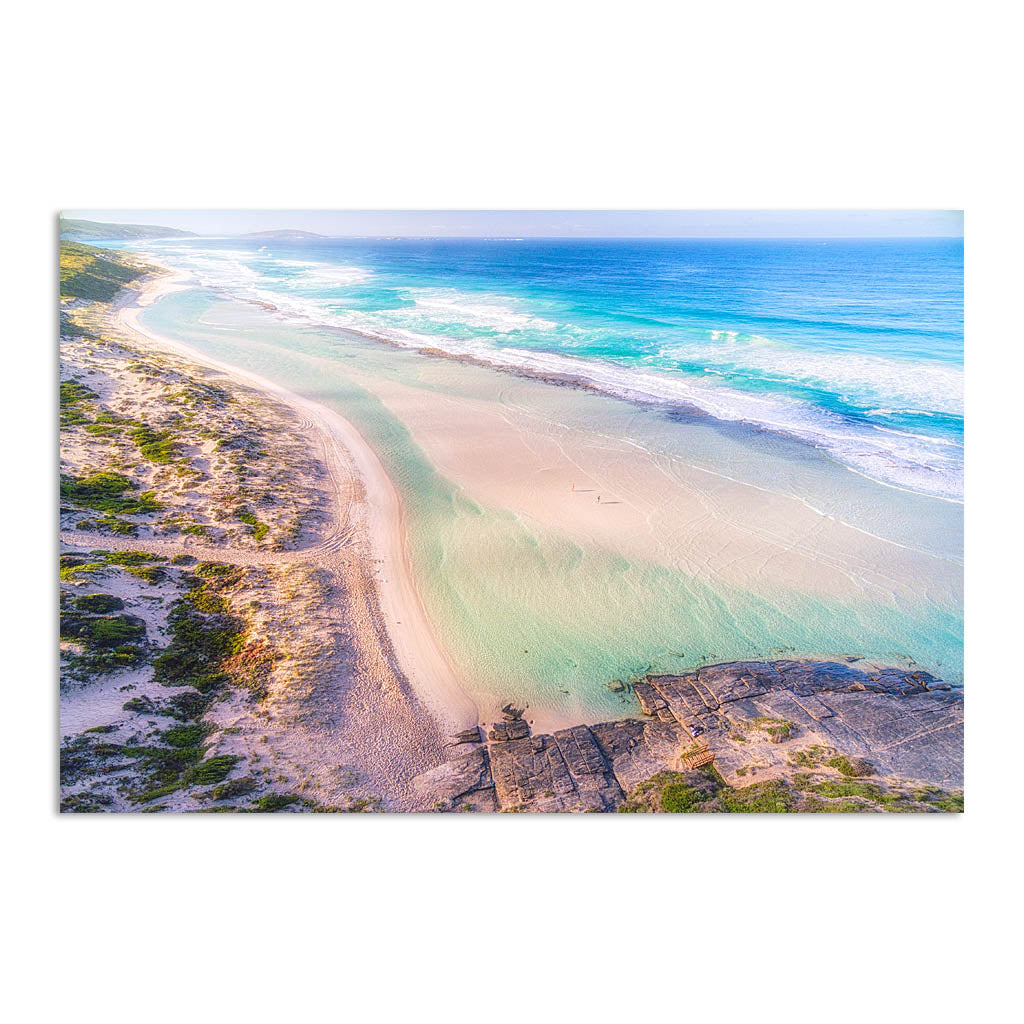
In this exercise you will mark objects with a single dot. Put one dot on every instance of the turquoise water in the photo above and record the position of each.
(530, 614)
(853, 346)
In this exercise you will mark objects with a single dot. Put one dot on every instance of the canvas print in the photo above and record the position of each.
(511, 511)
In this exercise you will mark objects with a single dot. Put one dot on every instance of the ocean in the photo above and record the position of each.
(782, 422)
(853, 346)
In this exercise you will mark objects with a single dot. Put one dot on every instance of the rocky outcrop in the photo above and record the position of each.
(463, 781)
(907, 724)
(759, 719)
(564, 772)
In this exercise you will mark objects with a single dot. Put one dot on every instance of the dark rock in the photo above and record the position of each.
(452, 779)
(737, 680)
(909, 724)
(650, 699)
(517, 729)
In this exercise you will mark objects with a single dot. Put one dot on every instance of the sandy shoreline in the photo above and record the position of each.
(422, 659)
(681, 505)
(581, 572)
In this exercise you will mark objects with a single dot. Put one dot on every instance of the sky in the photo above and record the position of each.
(555, 223)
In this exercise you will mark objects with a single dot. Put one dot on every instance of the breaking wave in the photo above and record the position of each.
(701, 374)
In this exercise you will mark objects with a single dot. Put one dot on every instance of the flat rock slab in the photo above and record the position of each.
(909, 725)
(455, 778)
(637, 750)
(916, 736)
(906, 722)
(563, 772)
(740, 679)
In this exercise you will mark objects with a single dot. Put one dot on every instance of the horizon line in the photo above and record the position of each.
(313, 236)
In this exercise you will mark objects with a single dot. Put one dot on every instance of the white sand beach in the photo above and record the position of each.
(422, 659)
(569, 484)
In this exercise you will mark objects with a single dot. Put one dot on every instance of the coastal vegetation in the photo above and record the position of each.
(157, 446)
(203, 636)
(142, 436)
(854, 767)
(101, 644)
(91, 274)
(259, 529)
(98, 603)
(778, 730)
(705, 792)
(149, 444)
(72, 228)
(111, 493)
(72, 396)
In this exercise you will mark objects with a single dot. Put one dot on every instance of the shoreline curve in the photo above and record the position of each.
(420, 655)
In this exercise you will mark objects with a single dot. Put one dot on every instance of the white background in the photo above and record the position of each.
(531, 105)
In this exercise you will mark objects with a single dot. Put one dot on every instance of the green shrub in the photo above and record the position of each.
(215, 769)
(952, 803)
(851, 767)
(93, 274)
(217, 571)
(80, 570)
(275, 802)
(72, 395)
(678, 798)
(234, 787)
(98, 603)
(108, 631)
(131, 557)
(149, 573)
(812, 806)
(259, 529)
(199, 643)
(188, 705)
(102, 429)
(70, 329)
(204, 601)
(833, 789)
(760, 798)
(106, 492)
(185, 735)
(158, 447)
(115, 630)
(154, 794)
(812, 757)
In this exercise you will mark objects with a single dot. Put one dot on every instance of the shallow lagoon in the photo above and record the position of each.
(532, 608)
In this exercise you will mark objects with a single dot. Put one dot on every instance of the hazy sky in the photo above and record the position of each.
(555, 223)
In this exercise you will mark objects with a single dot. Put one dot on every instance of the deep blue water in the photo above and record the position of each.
(854, 346)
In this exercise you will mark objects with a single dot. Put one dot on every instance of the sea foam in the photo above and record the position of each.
(493, 329)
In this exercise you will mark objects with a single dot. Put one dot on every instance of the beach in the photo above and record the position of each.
(457, 585)
(264, 504)
(421, 658)
(710, 541)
